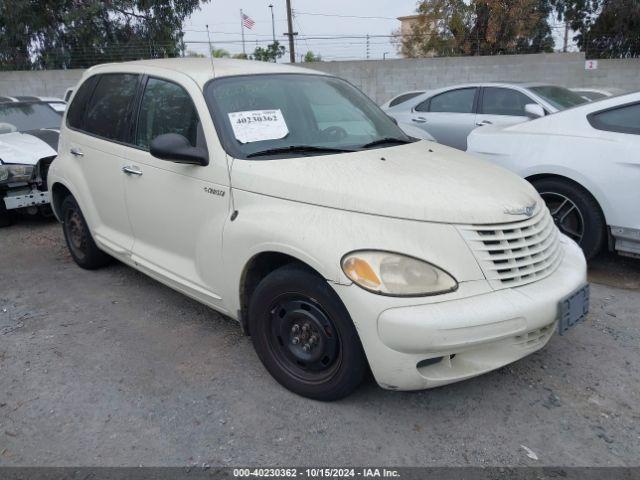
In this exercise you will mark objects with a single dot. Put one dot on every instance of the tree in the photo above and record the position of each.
(310, 57)
(240, 56)
(81, 33)
(271, 53)
(604, 28)
(219, 53)
(479, 27)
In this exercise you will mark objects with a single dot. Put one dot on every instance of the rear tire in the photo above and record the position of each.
(304, 335)
(575, 212)
(83, 249)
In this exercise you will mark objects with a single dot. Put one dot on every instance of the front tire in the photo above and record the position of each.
(6, 219)
(83, 249)
(304, 335)
(575, 212)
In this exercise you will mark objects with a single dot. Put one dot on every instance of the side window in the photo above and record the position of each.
(108, 111)
(166, 108)
(77, 108)
(625, 119)
(454, 101)
(504, 101)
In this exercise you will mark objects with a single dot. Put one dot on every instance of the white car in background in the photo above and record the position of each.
(585, 163)
(450, 114)
(29, 131)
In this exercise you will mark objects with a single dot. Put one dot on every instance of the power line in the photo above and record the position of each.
(343, 16)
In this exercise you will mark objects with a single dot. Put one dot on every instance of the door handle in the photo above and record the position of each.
(484, 122)
(419, 120)
(131, 170)
(76, 152)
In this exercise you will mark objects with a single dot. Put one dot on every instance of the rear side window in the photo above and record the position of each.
(455, 101)
(625, 119)
(404, 98)
(166, 108)
(504, 101)
(109, 109)
(79, 104)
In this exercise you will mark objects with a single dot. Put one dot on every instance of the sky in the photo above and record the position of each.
(312, 19)
(223, 18)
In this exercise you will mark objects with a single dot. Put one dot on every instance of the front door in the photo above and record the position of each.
(177, 211)
(502, 107)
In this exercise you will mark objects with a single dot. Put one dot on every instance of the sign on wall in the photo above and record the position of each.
(591, 65)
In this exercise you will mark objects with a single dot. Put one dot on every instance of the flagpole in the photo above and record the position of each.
(244, 50)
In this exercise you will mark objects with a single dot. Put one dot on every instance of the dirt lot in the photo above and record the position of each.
(112, 368)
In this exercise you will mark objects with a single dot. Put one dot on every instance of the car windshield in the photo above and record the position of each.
(559, 97)
(22, 117)
(285, 115)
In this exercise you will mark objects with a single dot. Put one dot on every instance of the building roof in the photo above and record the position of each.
(200, 69)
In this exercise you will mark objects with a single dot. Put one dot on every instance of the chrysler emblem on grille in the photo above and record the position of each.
(528, 210)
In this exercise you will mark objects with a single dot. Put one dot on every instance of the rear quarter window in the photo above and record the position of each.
(623, 119)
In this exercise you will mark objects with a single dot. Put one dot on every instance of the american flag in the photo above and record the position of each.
(247, 22)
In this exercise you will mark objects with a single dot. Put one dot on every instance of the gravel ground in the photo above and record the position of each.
(111, 368)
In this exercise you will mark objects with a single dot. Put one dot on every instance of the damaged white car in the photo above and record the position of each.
(29, 131)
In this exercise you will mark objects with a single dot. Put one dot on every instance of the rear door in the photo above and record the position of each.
(99, 124)
(178, 211)
(502, 106)
(449, 116)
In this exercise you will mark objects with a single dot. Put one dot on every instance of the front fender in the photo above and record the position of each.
(321, 236)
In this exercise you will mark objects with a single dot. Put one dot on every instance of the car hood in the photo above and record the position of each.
(419, 181)
(28, 148)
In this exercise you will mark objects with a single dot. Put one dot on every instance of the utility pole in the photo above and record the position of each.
(368, 46)
(566, 37)
(273, 23)
(290, 33)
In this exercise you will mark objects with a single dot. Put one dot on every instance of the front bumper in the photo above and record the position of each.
(427, 345)
(25, 197)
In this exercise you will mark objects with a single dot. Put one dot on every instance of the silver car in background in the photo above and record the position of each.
(450, 114)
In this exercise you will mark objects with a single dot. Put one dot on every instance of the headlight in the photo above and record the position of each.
(16, 173)
(393, 274)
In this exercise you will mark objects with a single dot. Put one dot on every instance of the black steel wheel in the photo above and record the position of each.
(304, 335)
(81, 246)
(575, 212)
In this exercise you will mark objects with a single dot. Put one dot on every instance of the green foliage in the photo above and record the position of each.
(479, 27)
(604, 28)
(80, 33)
(219, 53)
(310, 57)
(271, 53)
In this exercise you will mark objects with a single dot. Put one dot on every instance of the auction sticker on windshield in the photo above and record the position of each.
(258, 125)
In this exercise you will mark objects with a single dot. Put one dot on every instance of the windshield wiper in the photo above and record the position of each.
(383, 141)
(298, 149)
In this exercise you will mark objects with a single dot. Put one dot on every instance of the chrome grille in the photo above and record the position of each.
(513, 254)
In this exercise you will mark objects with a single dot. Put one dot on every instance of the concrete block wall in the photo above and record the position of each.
(383, 79)
(44, 83)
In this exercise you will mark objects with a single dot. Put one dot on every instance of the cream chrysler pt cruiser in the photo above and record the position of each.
(286, 199)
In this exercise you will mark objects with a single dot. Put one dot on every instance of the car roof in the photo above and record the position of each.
(201, 70)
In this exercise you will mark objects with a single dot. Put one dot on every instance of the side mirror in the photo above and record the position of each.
(176, 148)
(533, 110)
